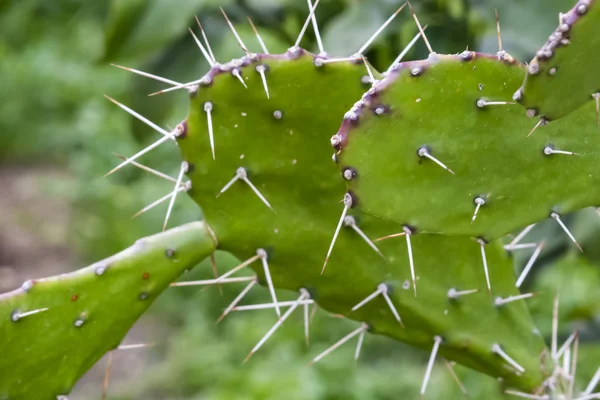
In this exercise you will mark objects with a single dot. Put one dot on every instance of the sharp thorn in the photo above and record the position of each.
(539, 123)
(237, 300)
(269, 306)
(351, 222)
(212, 56)
(147, 75)
(257, 192)
(500, 301)
(554, 343)
(359, 344)
(260, 40)
(182, 171)
(202, 49)
(369, 72)
(216, 281)
(261, 70)
(500, 49)
(148, 169)
(454, 294)
(236, 72)
(186, 187)
(140, 117)
(263, 257)
(424, 152)
(347, 204)
(463, 389)
(369, 298)
(239, 267)
(374, 36)
(410, 259)
(316, 29)
(420, 28)
(406, 50)
(497, 349)
(436, 345)
(339, 343)
(556, 216)
(238, 175)
(107, 375)
(305, 26)
(529, 264)
(485, 266)
(237, 37)
(394, 235)
(527, 395)
(521, 235)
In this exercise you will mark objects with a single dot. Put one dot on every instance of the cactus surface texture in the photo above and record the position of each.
(382, 197)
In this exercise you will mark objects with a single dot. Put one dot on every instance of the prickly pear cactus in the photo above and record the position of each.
(395, 221)
(565, 73)
(53, 330)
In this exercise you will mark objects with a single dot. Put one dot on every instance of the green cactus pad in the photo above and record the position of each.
(441, 104)
(283, 144)
(84, 314)
(566, 71)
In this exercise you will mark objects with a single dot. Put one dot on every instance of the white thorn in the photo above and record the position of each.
(236, 72)
(574, 366)
(141, 118)
(390, 304)
(263, 257)
(369, 298)
(566, 366)
(539, 123)
(500, 49)
(209, 282)
(420, 28)
(212, 56)
(374, 36)
(269, 306)
(183, 85)
(529, 264)
(436, 345)
(554, 343)
(18, 315)
(147, 75)
(500, 301)
(303, 30)
(261, 70)
(347, 204)
(351, 222)
(481, 103)
(369, 72)
(496, 349)
(202, 49)
(589, 396)
(527, 395)
(336, 60)
(239, 173)
(135, 346)
(549, 150)
(556, 216)
(237, 37)
(565, 345)
(239, 267)
(411, 262)
(178, 130)
(279, 322)
(340, 342)
(148, 169)
(256, 191)
(596, 97)
(485, 266)
(455, 294)
(462, 387)
(520, 246)
(237, 299)
(306, 319)
(593, 383)
(405, 50)
(479, 201)
(260, 40)
(361, 338)
(316, 29)
(395, 235)
(182, 188)
(423, 152)
(184, 169)
(521, 235)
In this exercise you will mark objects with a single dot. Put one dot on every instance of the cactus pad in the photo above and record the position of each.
(55, 329)
(566, 71)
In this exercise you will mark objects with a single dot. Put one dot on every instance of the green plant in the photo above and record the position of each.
(281, 209)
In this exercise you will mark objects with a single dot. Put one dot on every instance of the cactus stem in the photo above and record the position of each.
(303, 296)
(351, 222)
(340, 342)
(520, 236)
(311, 11)
(148, 169)
(258, 37)
(437, 340)
(530, 263)
(184, 168)
(454, 294)
(549, 150)
(261, 70)
(556, 216)
(265, 263)
(173, 134)
(527, 395)
(237, 37)
(500, 301)
(206, 55)
(383, 290)
(183, 188)
(420, 28)
(593, 383)
(479, 201)
(369, 72)
(235, 301)
(17, 315)
(147, 75)
(425, 152)
(209, 282)
(236, 72)
(497, 349)
(212, 56)
(316, 29)
(405, 51)
(142, 118)
(450, 367)
(482, 244)
(347, 204)
(378, 31)
(541, 122)
(411, 262)
(268, 306)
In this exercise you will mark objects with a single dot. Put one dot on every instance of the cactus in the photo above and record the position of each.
(432, 160)
(87, 312)
(564, 73)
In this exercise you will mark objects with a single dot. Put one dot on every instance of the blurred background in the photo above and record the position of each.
(58, 136)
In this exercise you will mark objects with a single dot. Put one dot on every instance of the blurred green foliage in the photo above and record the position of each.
(54, 63)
